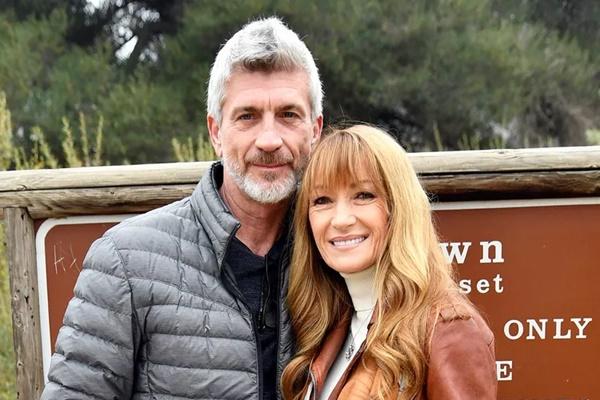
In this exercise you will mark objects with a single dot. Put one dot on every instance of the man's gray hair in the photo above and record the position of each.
(262, 45)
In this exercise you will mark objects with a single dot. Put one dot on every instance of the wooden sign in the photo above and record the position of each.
(531, 266)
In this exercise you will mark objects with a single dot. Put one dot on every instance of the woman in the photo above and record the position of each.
(373, 302)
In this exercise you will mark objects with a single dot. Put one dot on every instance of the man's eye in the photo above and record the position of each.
(318, 201)
(365, 196)
(289, 114)
(245, 117)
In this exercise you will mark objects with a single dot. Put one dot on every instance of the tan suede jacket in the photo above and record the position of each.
(461, 363)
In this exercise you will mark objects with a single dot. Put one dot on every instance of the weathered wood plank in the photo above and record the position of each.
(571, 171)
(516, 185)
(512, 160)
(111, 200)
(508, 160)
(448, 187)
(121, 175)
(25, 303)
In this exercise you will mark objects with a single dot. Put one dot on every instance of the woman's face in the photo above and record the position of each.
(349, 224)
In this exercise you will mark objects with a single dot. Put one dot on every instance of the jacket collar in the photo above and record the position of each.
(216, 218)
(332, 344)
(212, 213)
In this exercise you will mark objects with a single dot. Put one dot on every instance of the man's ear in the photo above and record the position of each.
(214, 133)
(317, 129)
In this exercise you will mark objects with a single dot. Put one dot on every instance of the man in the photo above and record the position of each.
(187, 301)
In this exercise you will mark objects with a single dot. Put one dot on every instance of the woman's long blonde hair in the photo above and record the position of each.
(412, 277)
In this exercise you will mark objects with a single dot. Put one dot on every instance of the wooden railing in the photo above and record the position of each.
(454, 175)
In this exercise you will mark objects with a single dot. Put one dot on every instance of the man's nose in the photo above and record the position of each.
(343, 216)
(269, 139)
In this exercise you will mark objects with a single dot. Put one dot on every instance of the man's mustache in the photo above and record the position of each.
(274, 158)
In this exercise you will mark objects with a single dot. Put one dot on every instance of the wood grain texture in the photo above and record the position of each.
(90, 177)
(25, 304)
(429, 163)
(515, 185)
(508, 160)
(443, 187)
(93, 201)
(452, 175)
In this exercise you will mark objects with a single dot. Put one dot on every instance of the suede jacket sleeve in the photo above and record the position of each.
(96, 346)
(462, 360)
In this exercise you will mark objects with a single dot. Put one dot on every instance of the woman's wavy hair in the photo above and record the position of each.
(412, 277)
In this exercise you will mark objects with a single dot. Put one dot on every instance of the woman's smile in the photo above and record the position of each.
(347, 242)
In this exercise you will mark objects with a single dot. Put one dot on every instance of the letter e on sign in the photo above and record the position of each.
(504, 370)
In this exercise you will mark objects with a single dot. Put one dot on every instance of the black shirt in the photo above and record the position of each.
(257, 280)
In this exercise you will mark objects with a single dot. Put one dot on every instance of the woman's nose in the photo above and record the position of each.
(343, 216)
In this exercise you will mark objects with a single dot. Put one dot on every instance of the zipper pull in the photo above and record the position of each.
(261, 317)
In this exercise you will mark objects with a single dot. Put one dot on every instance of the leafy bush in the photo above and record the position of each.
(439, 74)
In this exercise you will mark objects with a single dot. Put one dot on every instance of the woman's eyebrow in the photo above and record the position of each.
(363, 182)
(353, 185)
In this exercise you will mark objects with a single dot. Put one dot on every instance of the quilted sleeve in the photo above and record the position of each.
(96, 346)
(462, 361)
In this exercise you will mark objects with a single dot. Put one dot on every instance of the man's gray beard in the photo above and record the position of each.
(267, 193)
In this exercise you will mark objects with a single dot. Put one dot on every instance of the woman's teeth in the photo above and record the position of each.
(349, 242)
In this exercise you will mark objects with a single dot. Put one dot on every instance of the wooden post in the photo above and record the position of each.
(25, 303)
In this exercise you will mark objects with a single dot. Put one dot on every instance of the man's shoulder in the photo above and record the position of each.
(185, 212)
(175, 220)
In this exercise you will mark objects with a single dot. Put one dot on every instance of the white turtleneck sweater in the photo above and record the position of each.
(361, 286)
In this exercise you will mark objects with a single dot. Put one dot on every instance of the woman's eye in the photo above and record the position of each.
(365, 196)
(320, 200)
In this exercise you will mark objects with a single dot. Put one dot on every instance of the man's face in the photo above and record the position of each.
(266, 132)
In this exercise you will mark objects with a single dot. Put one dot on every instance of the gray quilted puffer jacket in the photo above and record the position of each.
(152, 316)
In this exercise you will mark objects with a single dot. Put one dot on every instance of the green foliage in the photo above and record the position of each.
(141, 116)
(5, 134)
(40, 155)
(79, 81)
(188, 151)
(476, 142)
(456, 64)
(576, 19)
(27, 52)
(68, 145)
(23, 9)
(432, 71)
(453, 63)
(593, 136)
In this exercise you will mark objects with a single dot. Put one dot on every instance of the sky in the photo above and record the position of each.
(124, 52)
